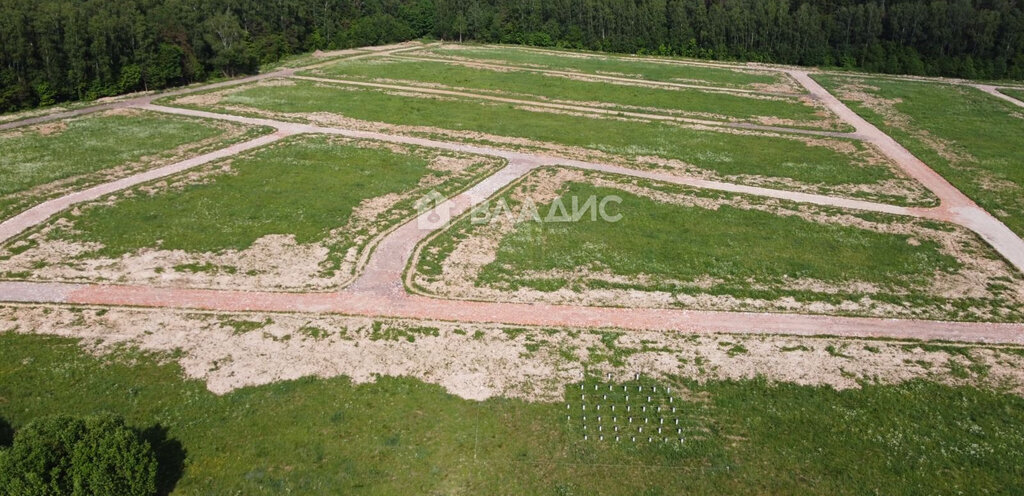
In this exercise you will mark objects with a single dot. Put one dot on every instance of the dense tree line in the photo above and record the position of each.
(58, 50)
(964, 38)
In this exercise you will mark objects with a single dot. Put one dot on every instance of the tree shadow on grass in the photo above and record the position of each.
(6, 433)
(170, 457)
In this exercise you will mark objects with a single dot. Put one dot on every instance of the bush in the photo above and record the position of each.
(62, 455)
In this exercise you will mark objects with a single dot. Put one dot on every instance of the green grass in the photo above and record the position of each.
(316, 436)
(532, 84)
(89, 145)
(799, 347)
(747, 253)
(726, 154)
(244, 326)
(685, 243)
(1015, 93)
(986, 131)
(383, 331)
(638, 67)
(305, 186)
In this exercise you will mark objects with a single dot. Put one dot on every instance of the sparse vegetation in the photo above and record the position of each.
(387, 331)
(799, 347)
(245, 326)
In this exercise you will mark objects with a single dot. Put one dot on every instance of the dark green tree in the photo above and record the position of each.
(62, 455)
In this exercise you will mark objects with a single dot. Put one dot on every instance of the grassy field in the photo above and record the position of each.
(316, 436)
(1016, 93)
(970, 137)
(733, 155)
(306, 186)
(687, 242)
(745, 253)
(609, 64)
(82, 151)
(529, 85)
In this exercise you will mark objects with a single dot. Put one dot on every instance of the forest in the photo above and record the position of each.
(63, 50)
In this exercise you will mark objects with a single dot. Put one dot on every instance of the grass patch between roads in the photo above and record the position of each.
(972, 138)
(698, 103)
(734, 155)
(734, 254)
(330, 436)
(685, 243)
(82, 151)
(607, 64)
(1015, 93)
(305, 186)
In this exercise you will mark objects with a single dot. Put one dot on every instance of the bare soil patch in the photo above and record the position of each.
(230, 351)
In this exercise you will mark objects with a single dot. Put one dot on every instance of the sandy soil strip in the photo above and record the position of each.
(483, 361)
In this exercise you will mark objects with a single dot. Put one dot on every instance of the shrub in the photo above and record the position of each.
(62, 455)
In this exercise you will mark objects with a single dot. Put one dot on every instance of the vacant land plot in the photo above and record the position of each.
(644, 68)
(480, 361)
(313, 402)
(968, 136)
(330, 435)
(679, 247)
(48, 160)
(844, 167)
(761, 109)
(1016, 93)
(298, 214)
